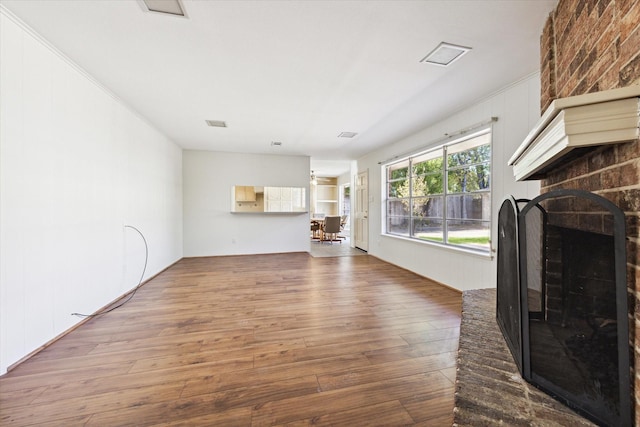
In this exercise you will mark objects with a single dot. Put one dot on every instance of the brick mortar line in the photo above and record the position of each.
(598, 192)
(613, 190)
(590, 174)
(554, 47)
(628, 62)
(615, 22)
(617, 164)
(606, 168)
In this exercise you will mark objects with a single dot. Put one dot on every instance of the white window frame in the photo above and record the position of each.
(442, 151)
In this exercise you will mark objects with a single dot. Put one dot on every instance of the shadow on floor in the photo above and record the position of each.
(330, 249)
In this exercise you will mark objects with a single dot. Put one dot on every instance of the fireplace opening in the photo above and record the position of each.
(562, 300)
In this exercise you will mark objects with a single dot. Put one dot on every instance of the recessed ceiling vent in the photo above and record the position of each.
(216, 123)
(167, 7)
(445, 54)
(276, 144)
(347, 134)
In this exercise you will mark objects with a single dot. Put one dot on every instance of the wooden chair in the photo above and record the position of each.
(315, 230)
(343, 223)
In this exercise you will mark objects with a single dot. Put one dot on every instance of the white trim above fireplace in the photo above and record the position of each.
(600, 118)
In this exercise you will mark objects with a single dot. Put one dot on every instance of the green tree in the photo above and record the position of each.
(469, 169)
(429, 177)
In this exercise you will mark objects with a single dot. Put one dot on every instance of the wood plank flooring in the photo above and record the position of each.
(279, 339)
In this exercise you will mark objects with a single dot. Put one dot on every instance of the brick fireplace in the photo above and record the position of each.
(589, 49)
(591, 46)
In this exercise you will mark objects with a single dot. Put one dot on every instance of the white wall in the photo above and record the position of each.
(209, 226)
(75, 166)
(517, 109)
(343, 180)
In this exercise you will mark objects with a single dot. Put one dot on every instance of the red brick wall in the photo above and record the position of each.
(589, 46)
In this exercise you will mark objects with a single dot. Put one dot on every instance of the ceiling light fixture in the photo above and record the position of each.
(347, 134)
(445, 54)
(167, 7)
(216, 123)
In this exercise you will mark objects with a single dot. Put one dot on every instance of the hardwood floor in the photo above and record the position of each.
(282, 339)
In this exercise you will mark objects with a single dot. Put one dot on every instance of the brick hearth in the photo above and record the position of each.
(489, 388)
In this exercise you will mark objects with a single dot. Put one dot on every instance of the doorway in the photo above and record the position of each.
(345, 207)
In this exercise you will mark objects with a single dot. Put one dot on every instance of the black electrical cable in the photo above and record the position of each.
(144, 269)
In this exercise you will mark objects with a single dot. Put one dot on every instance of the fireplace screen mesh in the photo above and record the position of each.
(572, 327)
(508, 314)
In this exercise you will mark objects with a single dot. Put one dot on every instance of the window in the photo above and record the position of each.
(443, 195)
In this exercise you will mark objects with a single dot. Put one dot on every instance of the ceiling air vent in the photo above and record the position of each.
(216, 123)
(167, 7)
(347, 134)
(445, 54)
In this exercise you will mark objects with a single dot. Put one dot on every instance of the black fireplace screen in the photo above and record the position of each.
(562, 300)
(509, 307)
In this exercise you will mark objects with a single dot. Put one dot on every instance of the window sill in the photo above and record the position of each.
(458, 249)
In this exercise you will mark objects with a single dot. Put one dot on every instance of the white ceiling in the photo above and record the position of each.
(297, 72)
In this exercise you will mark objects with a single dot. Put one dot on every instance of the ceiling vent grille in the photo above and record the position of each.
(347, 134)
(166, 7)
(445, 54)
(216, 123)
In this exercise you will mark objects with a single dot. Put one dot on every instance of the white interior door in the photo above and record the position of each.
(361, 211)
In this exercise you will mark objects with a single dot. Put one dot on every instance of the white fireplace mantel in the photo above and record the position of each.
(599, 118)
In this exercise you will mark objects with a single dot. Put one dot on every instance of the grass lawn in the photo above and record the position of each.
(482, 240)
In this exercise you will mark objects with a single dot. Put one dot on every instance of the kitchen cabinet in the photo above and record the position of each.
(245, 193)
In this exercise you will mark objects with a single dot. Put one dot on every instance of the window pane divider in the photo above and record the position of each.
(445, 187)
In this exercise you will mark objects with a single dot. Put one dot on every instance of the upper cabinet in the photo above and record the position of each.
(245, 193)
(268, 199)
